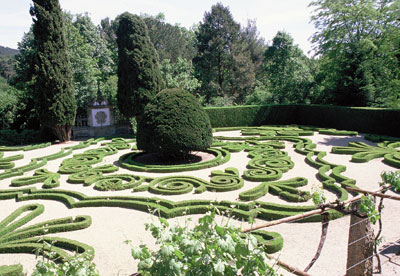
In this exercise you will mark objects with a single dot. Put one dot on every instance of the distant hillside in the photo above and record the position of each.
(5, 51)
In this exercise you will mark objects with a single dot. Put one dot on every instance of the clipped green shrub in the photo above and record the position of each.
(11, 270)
(174, 124)
(15, 238)
(9, 137)
(127, 161)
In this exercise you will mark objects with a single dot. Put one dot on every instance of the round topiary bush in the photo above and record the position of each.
(173, 125)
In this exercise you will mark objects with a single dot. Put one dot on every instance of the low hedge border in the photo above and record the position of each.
(32, 239)
(49, 179)
(272, 242)
(34, 164)
(24, 148)
(165, 208)
(362, 119)
(285, 189)
(362, 152)
(11, 270)
(6, 162)
(220, 181)
(221, 157)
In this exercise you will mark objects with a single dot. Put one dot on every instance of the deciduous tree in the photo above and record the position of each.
(287, 70)
(359, 41)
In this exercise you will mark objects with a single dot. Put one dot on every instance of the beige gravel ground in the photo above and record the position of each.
(112, 226)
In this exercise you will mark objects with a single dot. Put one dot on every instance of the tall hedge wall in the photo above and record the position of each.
(362, 119)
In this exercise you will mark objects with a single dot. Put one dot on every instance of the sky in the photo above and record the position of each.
(292, 16)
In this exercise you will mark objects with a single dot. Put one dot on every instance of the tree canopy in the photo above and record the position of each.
(360, 46)
(287, 71)
(223, 63)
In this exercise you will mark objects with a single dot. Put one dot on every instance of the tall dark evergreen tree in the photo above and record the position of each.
(222, 57)
(139, 77)
(54, 93)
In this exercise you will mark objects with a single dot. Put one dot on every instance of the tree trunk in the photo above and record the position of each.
(360, 247)
(63, 133)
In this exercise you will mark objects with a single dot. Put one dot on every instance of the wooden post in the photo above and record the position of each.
(360, 247)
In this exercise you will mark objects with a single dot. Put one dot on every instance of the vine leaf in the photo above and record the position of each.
(30, 239)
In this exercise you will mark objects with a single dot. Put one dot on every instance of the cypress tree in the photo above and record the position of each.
(54, 93)
(139, 77)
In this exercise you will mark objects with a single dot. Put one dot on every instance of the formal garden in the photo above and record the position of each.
(224, 171)
(60, 198)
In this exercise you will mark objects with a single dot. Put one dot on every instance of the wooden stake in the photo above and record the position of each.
(289, 268)
(309, 213)
(373, 193)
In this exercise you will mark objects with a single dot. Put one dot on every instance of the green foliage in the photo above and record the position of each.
(287, 71)
(54, 94)
(9, 97)
(319, 197)
(367, 207)
(206, 249)
(392, 178)
(12, 137)
(171, 41)
(91, 61)
(366, 120)
(79, 265)
(174, 124)
(179, 75)
(139, 77)
(260, 96)
(332, 131)
(359, 45)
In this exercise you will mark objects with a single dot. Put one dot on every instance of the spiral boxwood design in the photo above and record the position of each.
(115, 182)
(265, 174)
(177, 185)
(73, 168)
(283, 164)
(229, 180)
(109, 150)
(85, 176)
(221, 157)
(267, 153)
(118, 143)
(84, 159)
